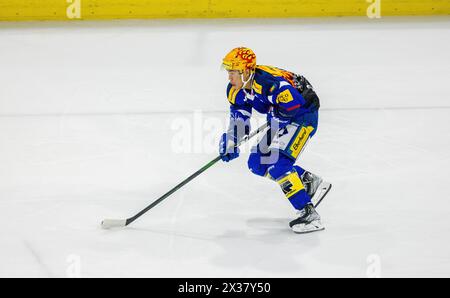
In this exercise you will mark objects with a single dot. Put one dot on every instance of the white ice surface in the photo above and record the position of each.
(89, 129)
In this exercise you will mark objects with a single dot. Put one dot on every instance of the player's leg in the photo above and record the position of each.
(269, 163)
(315, 186)
(276, 162)
(288, 143)
(285, 174)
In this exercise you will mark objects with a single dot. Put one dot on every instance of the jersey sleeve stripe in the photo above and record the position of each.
(293, 108)
(232, 95)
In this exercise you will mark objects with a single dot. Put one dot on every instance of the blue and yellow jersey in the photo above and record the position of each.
(273, 90)
(275, 87)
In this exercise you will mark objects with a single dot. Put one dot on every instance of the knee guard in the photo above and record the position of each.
(281, 167)
(255, 166)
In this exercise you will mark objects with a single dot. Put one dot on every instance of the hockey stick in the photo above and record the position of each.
(112, 223)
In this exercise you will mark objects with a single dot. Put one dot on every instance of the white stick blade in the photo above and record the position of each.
(113, 223)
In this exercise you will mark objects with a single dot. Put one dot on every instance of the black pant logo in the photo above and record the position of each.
(286, 187)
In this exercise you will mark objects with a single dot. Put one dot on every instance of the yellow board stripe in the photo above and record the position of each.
(300, 141)
(17, 10)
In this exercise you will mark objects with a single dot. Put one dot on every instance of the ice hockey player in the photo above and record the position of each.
(291, 106)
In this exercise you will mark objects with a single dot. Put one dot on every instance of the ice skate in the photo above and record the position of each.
(316, 187)
(308, 221)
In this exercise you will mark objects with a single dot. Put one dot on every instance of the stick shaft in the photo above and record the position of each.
(190, 178)
(180, 185)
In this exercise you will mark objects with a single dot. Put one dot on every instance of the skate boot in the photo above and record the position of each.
(315, 186)
(308, 221)
(311, 182)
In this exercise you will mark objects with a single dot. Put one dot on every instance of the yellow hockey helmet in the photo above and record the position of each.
(240, 59)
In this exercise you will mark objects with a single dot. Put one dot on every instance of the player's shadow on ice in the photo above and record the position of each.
(263, 244)
(269, 224)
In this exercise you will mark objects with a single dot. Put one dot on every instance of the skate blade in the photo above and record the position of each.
(310, 228)
(321, 192)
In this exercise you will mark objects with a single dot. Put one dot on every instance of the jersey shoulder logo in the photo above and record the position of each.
(285, 97)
